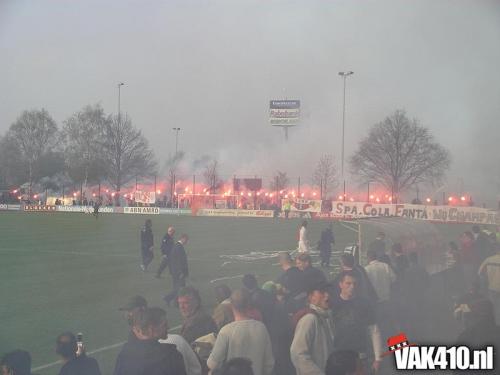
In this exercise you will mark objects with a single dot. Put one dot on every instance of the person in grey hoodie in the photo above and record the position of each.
(313, 340)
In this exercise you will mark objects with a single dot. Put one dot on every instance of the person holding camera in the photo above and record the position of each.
(73, 356)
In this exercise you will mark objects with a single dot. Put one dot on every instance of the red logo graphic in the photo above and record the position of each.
(397, 342)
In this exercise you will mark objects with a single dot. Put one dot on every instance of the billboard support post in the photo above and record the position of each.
(284, 113)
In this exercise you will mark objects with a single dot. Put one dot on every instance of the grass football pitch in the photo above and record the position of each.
(63, 271)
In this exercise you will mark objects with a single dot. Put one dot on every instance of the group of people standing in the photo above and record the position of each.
(173, 256)
(324, 246)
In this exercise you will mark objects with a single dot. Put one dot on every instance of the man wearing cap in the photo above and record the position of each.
(135, 305)
(167, 244)
(313, 340)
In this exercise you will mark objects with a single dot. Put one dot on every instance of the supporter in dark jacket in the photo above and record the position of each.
(365, 288)
(325, 245)
(291, 278)
(167, 244)
(482, 243)
(17, 362)
(75, 360)
(482, 331)
(292, 283)
(378, 245)
(196, 322)
(147, 243)
(310, 275)
(178, 267)
(143, 354)
(414, 288)
(261, 299)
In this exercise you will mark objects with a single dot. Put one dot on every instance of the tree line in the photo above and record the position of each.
(92, 146)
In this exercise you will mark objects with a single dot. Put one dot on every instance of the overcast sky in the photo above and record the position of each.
(211, 67)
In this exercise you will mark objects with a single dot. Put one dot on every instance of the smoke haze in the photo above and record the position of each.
(211, 68)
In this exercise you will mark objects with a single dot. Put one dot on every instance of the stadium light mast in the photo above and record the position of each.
(344, 75)
(119, 92)
(176, 139)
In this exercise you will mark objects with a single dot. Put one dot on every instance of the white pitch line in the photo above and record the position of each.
(225, 278)
(104, 348)
(65, 252)
(78, 253)
(349, 227)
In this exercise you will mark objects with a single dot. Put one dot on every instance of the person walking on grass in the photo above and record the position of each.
(147, 243)
(178, 267)
(167, 244)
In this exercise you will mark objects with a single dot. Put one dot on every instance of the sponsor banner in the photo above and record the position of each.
(445, 214)
(299, 215)
(284, 112)
(86, 209)
(148, 197)
(142, 210)
(301, 205)
(67, 201)
(39, 208)
(175, 211)
(361, 209)
(10, 207)
(235, 213)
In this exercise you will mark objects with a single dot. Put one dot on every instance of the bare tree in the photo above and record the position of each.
(325, 175)
(279, 182)
(211, 176)
(13, 170)
(399, 153)
(34, 133)
(126, 152)
(82, 134)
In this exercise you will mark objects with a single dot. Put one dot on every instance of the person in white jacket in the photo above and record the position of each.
(313, 340)
(303, 241)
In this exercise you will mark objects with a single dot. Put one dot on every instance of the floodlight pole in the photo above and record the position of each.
(344, 75)
(119, 94)
(176, 139)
